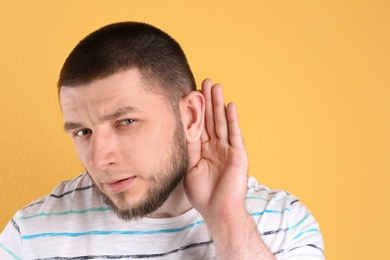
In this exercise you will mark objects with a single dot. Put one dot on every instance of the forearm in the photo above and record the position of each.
(238, 238)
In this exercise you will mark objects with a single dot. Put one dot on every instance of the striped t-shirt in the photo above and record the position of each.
(73, 223)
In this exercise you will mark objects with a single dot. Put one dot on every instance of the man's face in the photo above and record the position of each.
(129, 140)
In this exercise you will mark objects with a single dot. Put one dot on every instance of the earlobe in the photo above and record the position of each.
(192, 109)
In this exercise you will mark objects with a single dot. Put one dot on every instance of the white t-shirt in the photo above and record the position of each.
(73, 223)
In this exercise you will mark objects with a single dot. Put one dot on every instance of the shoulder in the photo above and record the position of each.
(270, 200)
(283, 221)
(74, 194)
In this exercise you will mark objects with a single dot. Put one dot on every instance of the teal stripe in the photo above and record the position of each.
(256, 198)
(43, 214)
(10, 252)
(260, 213)
(112, 232)
(306, 231)
(300, 222)
(273, 198)
(303, 232)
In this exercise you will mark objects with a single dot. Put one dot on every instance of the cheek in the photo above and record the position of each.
(151, 147)
(82, 153)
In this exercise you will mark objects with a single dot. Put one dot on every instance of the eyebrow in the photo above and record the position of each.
(118, 113)
(69, 126)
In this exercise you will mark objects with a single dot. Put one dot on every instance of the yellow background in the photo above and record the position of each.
(311, 80)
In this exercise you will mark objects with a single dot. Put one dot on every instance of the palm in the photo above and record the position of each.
(217, 185)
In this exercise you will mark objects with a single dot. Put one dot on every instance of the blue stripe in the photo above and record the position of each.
(273, 198)
(112, 232)
(260, 213)
(10, 252)
(43, 214)
(272, 232)
(306, 231)
(256, 198)
(300, 222)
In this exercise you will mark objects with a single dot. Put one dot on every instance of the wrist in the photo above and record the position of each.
(229, 224)
(237, 237)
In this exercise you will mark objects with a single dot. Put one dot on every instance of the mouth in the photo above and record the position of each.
(118, 186)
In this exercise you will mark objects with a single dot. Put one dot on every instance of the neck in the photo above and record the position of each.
(176, 205)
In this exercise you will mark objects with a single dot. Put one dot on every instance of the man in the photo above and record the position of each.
(166, 166)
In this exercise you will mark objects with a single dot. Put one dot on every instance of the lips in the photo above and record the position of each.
(118, 186)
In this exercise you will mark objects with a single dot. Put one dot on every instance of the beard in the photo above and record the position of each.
(163, 182)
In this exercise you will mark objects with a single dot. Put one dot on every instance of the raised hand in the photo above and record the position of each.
(216, 186)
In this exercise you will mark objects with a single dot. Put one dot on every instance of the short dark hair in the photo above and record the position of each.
(126, 45)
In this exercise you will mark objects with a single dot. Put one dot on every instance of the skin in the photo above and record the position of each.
(121, 156)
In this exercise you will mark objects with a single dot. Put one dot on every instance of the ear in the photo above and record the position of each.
(192, 109)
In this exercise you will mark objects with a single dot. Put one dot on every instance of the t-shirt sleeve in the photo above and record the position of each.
(286, 226)
(11, 242)
(303, 238)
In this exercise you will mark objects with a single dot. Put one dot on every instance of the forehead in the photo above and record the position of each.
(121, 89)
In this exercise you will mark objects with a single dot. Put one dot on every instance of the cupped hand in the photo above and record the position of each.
(217, 185)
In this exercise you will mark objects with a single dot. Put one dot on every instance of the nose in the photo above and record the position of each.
(103, 150)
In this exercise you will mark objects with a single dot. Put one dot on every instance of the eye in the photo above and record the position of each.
(82, 132)
(126, 121)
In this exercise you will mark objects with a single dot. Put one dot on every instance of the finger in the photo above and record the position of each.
(204, 137)
(209, 113)
(220, 121)
(235, 135)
